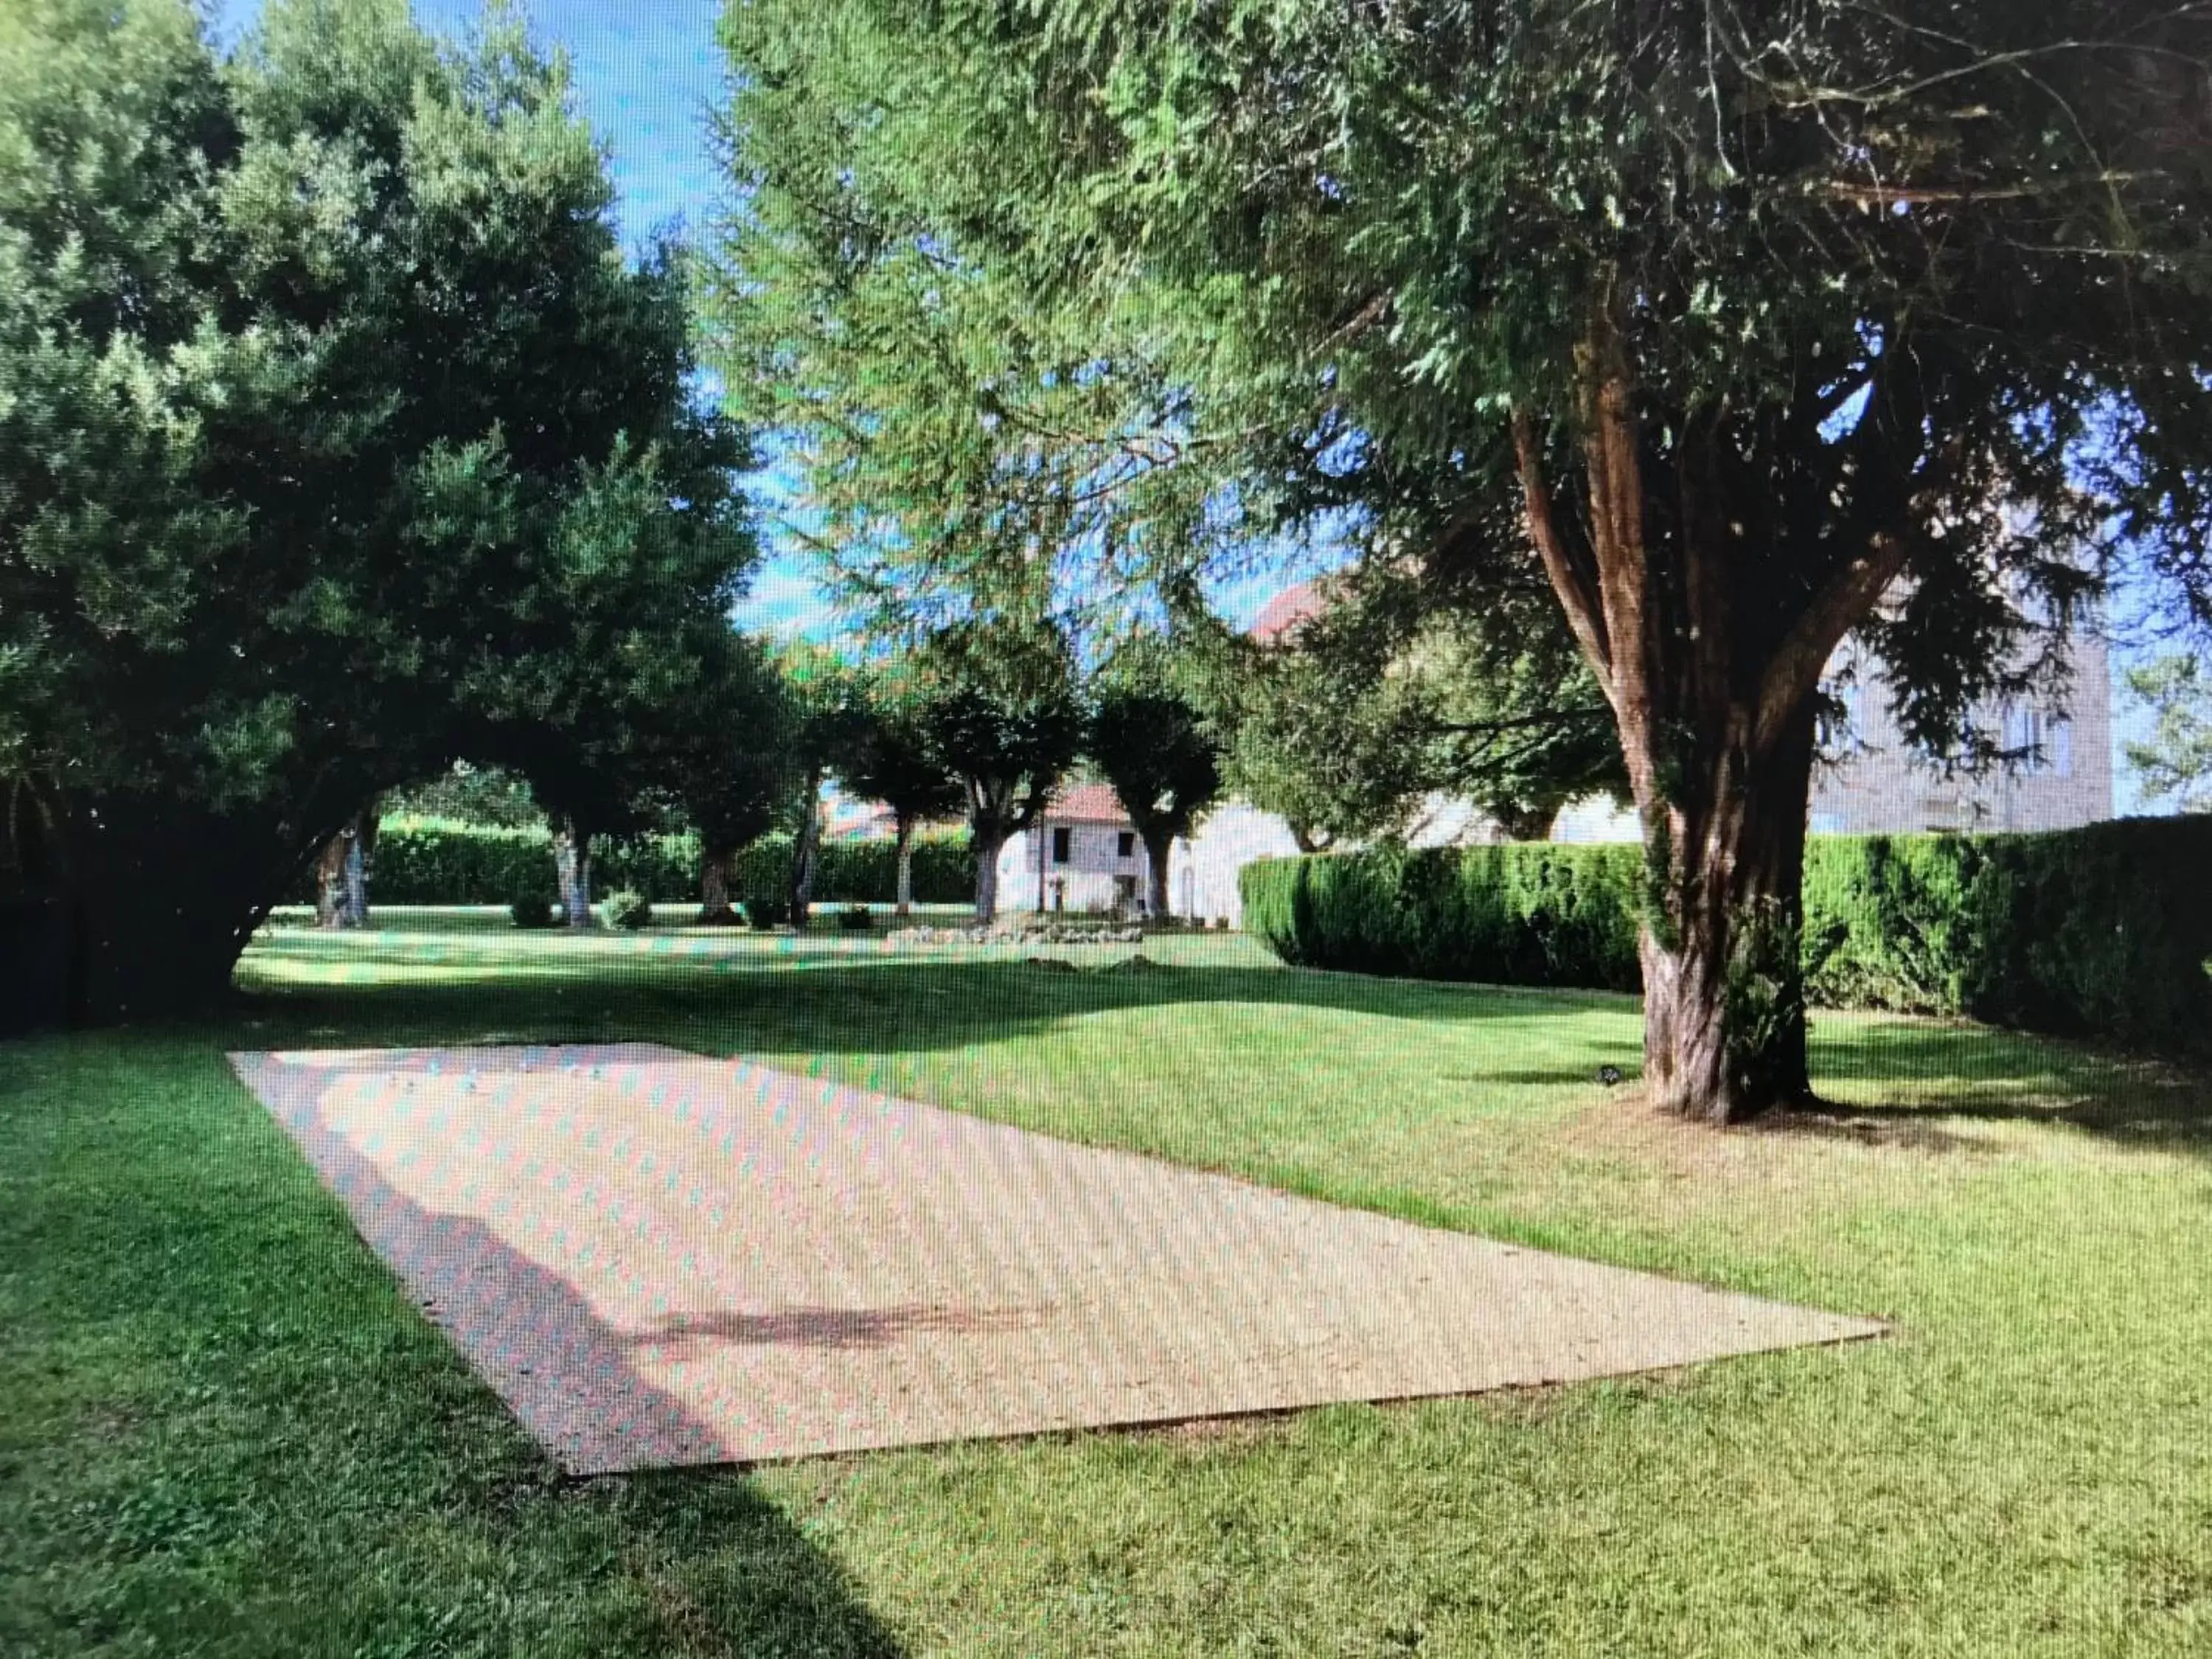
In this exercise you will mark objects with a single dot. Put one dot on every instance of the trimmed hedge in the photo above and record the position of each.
(439, 861)
(2103, 931)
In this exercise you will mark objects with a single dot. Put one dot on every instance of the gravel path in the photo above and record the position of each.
(658, 1259)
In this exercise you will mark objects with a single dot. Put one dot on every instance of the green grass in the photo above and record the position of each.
(223, 1430)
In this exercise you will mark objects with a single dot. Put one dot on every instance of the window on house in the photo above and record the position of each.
(1125, 845)
(2044, 743)
(1059, 846)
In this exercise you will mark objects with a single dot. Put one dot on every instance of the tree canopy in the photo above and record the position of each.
(1000, 711)
(339, 438)
(1147, 732)
(2175, 763)
(1741, 329)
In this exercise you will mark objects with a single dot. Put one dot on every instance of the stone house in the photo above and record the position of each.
(1082, 853)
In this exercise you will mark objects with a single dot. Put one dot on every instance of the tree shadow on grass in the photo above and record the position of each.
(881, 1004)
(1897, 1079)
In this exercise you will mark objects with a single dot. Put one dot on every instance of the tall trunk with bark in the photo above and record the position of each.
(572, 864)
(342, 873)
(331, 883)
(360, 864)
(989, 842)
(1723, 980)
(1715, 712)
(714, 907)
(1158, 843)
(803, 853)
(905, 905)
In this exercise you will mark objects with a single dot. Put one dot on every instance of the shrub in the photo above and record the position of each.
(628, 909)
(443, 861)
(531, 909)
(856, 918)
(2100, 931)
(1517, 915)
(766, 910)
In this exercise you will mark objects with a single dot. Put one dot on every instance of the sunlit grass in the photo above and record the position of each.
(223, 1430)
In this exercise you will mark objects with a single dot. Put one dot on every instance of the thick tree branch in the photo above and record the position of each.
(1613, 460)
(1793, 672)
(1575, 594)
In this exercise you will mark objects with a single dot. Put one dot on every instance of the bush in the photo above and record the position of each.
(628, 909)
(1530, 915)
(766, 910)
(856, 918)
(531, 910)
(2103, 931)
(441, 862)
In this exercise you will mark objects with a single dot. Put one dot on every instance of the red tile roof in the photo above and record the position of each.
(1086, 803)
(1283, 613)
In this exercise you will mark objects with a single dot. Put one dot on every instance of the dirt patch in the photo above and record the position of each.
(658, 1259)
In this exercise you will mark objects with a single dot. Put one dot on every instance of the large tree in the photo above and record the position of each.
(1746, 327)
(827, 721)
(893, 760)
(2174, 759)
(1152, 741)
(338, 439)
(1000, 712)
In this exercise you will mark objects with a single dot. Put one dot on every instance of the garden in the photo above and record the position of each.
(226, 1428)
(545, 1107)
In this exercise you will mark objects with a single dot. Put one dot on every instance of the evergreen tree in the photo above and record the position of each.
(339, 439)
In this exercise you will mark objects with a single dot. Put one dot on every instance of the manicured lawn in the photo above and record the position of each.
(222, 1430)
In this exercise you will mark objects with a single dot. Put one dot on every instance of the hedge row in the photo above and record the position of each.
(2100, 931)
(437, 861)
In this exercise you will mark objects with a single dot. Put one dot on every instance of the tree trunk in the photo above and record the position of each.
(331, 882)
(1157, 848)
(342, 873)
(361, 849)
(714, 907)
(803, 852)
(1715, 712)
(1721, 947)
(988, 845)
(572, 864)
(905, 906)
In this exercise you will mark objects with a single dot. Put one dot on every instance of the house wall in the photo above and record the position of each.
(1871, 782)
(1203, 869)
(1090, 879)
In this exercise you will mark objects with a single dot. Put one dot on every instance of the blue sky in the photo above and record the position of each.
(645, 71)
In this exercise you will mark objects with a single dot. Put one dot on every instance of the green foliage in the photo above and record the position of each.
(338, 439)
(469, 793)
(532, 909)
(1396, 690)
(628, 909)
(2096, 931)
(2176, 763)
(1157, 749)
(891, 758)
(997, 710)
(1523, 915)
(856, 919)
(428, 861)
(2099, 932)
(766, 910)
